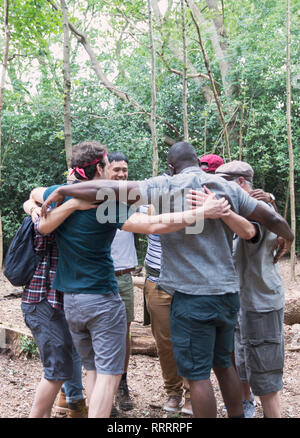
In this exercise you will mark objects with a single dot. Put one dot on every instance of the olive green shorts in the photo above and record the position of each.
(125, 285)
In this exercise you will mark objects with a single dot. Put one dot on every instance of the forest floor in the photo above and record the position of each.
(19, 374)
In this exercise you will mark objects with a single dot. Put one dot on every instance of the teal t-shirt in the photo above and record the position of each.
(84, 260)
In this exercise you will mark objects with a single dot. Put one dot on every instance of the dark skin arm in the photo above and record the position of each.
(260, 195)
(275, 223)
(91, 191)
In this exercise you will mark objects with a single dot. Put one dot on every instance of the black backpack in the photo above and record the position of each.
(21, 259)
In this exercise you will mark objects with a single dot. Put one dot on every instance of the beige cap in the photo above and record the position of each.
(235, 169)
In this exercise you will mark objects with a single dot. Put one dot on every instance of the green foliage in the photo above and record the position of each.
(28, 346)
(32, 124)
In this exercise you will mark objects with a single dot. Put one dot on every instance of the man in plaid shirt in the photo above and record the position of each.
(39, 287)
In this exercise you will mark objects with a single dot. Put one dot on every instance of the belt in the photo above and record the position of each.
(124, 271)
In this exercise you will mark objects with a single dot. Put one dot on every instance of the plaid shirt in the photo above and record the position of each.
(39, 288)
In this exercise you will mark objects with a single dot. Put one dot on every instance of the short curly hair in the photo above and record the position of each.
(86, 152)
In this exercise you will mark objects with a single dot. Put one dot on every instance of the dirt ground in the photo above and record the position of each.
(19, 374)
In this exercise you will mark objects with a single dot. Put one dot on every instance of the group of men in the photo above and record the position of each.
(194, 306)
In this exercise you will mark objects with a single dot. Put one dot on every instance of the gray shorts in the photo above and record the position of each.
(97, 324)
(259, 350)
(52, 336)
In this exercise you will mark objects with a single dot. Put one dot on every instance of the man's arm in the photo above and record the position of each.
(261, 195)
(170, 222)
(91, 191)
(138, 222)
(238, 224)
(32, 206)
(57, 215)
(275, 223)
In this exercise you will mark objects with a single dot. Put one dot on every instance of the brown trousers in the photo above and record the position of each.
(158, 305)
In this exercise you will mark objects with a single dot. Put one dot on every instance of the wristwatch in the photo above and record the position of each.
(272, 198)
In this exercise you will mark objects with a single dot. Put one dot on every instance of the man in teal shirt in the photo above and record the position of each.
(85, 273)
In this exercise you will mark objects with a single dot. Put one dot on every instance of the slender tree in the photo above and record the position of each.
(241, 133)
(289, 139)
(184, 88)
(218, 102)
(153, 94)
(2, 85)
(108, 84)
(67, 85)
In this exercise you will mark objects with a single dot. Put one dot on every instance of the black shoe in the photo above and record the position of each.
(114, 411)
(123, 397)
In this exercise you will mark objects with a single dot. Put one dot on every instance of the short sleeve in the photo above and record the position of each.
(49, 190)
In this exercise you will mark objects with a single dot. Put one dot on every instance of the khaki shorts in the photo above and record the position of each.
(125, 285)
(259, 350)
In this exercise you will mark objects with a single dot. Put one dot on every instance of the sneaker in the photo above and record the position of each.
(114, 412)
(123, 397)
(173, 404)
(187, 407)
(78, 409)
(61, 408)
(249, 406)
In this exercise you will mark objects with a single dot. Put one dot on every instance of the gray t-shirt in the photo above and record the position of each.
(261, 287)
(202, 263)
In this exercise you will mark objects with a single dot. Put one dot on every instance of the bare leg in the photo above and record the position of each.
(102, 396)
(45, 395)
(246, 391)
(271, 405)
(231, 389)
(128, 348)
(91, 376)
(203, 399)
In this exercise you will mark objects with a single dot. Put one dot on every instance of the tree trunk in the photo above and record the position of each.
(2, 84)
(218, 102)
(67, 86)
(103, 79)
(153, 94)
(184, 89)
(215, 30)
(290, 145)
(241, 134)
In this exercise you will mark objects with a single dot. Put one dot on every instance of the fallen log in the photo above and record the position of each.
(138, 282)
(142, 341)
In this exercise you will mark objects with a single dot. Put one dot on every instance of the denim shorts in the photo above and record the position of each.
(52, 336)
(98, 327)
(259, 350)
(125, 285)
(202, 332)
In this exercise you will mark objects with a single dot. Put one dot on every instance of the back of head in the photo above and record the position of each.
(85, 157)
(181, 155)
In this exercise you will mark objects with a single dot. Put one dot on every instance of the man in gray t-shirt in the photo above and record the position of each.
(259, 339)
(198, 270)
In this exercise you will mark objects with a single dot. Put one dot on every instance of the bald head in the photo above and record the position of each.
(182, 155)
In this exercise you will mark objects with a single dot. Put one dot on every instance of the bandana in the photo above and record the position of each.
(80, 170)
